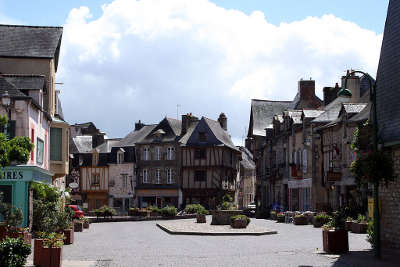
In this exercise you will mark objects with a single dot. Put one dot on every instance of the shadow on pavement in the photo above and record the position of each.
(365, 258)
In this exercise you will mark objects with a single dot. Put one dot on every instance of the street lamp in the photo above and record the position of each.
(372, 97)
(6, 102)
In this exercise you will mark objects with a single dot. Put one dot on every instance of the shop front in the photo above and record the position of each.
(300, 194)
(15, 184)
(159, 197)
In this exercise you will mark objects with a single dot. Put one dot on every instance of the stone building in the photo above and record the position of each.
(388, 118)
(247, 181)
(34, 50)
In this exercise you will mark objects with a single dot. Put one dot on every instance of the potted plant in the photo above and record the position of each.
(240, 221)
(86, 222)
(300, 219)
(201, 215)
(348, 223)
(133, 212)
(321, 219)
(78, 226)
(335, 238)
(14, 252)
(273, 215)
(65, 226)
(52, 250)
(38, 248)
(360, 225)
(280, 217)
(169, 211)
(154, 211)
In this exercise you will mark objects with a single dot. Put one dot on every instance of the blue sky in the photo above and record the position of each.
(369, 14)
(137, 60)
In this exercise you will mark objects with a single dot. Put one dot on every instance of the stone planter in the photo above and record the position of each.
(303, 220)
(335, 241)
(86, 225)
(37, 252)
(348, 225)
(359, 228)
(223, 217)
(201, 218)
(52, 257)
(78, 226)
(69, 236)
(239, 224)
(280, 219)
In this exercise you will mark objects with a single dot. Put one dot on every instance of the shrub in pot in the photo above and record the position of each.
(348, 223)
(154, 211)
(201, 215)
(335, 238)
(280, 217)
(52, 250)
(194, 208)
(321, 219)
(169, 211)
(300, 219)
(85, 221)
(78, 226)
(133, 212)
(14, 252)
(273, 215)
(360, 226)
(239, 221)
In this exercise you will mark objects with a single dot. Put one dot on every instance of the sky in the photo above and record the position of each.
(126, 60)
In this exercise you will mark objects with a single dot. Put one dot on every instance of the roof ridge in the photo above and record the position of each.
(30, 26)
(21, 75)
(266, 100)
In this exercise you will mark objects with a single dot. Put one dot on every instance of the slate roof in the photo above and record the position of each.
(183, 140)
(12, 90)
(176, 125)
(220, 133)
(331, 111)
(354, 107)
(247, 159)
(388, 78)
(312, 113)
(81, 144)
(363, 115)
(171, 129)
(136, 136)
(278, 117)
(26, 82)
(108, 145)
(262, 113)
(30, 41)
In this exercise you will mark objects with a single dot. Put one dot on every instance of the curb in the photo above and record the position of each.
(215, 233)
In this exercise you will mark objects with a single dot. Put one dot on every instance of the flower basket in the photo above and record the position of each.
(201, 218)
(359, 228)
(78, 226)
(69, 236)
(38, 252)
(335, 241)
(300, 220)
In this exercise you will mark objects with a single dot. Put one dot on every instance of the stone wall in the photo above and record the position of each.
(390, 203)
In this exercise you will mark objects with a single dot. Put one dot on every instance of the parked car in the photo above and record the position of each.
(78, 212)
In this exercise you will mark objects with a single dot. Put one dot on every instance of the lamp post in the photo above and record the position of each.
(6, 102)
(372, 96)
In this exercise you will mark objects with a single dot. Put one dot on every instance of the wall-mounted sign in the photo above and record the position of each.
(12, 175)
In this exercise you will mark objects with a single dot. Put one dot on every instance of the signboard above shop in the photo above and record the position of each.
(25, 173)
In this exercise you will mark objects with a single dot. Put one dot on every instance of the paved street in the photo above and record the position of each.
(144, 244)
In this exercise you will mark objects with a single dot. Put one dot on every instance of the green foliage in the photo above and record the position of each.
(371, 233)
(45, 192)
(361, 218)
(282, 215)
(300, 216)
(240, 217)
(227, 198)
(196, 209)
(355, 145)
(105, 211)
(169, 211)
(154, 209)
(337, 221)
(14, 252)
(53, 240)
(322, 218)
(12, 216)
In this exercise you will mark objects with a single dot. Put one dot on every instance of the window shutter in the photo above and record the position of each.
(11, 129)
(55, 144)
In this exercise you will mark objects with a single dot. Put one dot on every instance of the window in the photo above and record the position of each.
(200, 176)
(95, 179)
(120, 157)
(169, 176)
(158, 153)
(145, 176)
(170, 153)
(39, 151)
(8, 129)
(146, 153)
(55, 144)
(158, 176)
(200, 153)
(202, 137)
(124, 180)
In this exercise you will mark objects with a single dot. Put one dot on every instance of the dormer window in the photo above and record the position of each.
(120, 157)
(202, 137)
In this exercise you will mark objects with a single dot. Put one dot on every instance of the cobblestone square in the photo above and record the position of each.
(144, 244)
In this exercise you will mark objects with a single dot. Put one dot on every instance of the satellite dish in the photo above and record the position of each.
(73, 185)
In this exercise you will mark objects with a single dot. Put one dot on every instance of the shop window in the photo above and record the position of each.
(39, 151)
(56, 144)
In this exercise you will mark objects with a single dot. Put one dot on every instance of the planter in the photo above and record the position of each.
(359, 228)
(201, 218)
(335, 241)
(300, 220)
(273, 216)
(154, 214)
(78, 226)
(133, 212)
(69, 236)
(239, 223)
(3, 232)
(348, 225)
(223, 217)
(52, 257)
(280, 219)
(38, 252)
(26, 236)
(142, 213)
(86, 225)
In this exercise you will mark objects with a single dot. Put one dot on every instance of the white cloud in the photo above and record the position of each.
(142, 58)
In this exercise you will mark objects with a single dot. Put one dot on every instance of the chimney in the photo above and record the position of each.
(330, 94)
(187, 121)
(138, 125)
(306, 89)
(353, 84)
(223, 121)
